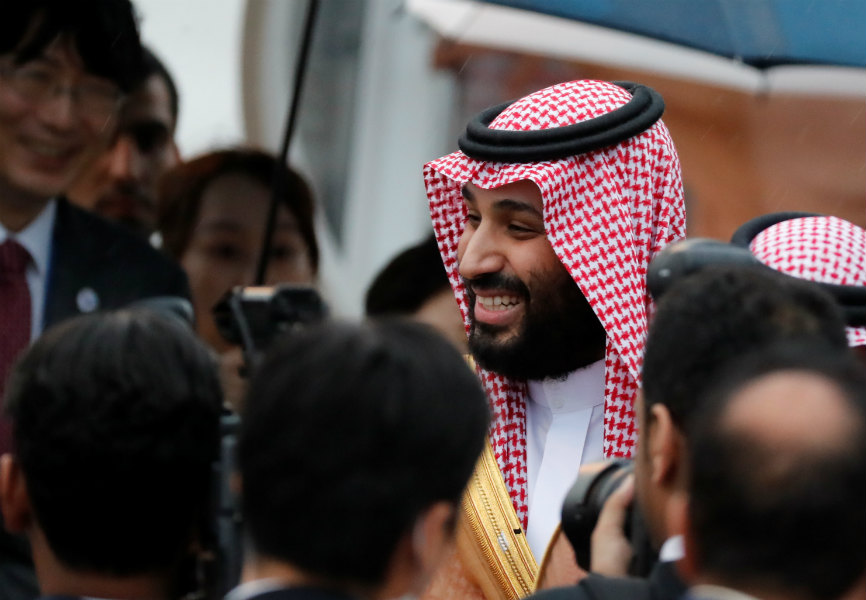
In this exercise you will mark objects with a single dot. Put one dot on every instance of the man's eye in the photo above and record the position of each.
(38, 76)
(473, 219)
(149, 138)
(517, 228)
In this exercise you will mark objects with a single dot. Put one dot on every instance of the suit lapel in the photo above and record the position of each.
(74, 282)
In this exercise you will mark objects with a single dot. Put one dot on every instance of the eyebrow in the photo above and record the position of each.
(516, 206)
(507, 204)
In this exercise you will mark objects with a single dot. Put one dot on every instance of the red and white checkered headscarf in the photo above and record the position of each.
(818, 248)
(606, 213)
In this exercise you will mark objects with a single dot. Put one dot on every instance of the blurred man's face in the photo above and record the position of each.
(55, 117)
(122, 184)
(529, 319)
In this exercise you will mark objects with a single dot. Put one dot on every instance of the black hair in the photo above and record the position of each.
(104, 33)
(789, 518)
(348, 433)
(116, 425)
(708, 319)
(152, 65)
(411, 278)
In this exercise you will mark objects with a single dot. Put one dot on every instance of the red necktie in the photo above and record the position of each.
(14, 319)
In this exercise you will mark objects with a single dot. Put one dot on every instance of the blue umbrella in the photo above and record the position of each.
(762, 33)
(751, 45)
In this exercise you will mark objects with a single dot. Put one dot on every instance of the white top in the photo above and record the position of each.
(564, 429)
(36, 239)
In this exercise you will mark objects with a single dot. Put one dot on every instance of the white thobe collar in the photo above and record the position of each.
(564, 429)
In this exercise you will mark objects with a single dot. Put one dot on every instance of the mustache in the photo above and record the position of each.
(495, 281)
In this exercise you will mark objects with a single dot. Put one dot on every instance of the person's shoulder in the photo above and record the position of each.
(74, 222)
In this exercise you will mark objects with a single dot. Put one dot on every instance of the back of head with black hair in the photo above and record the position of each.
(411, 278)
(104, 32)
(116, 424)
(783, 517)
(715, 316)
(349, 433)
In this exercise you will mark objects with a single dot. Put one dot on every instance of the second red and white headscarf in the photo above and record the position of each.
(606, 213)
(825, 249)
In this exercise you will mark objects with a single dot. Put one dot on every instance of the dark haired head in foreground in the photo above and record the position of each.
(702, 325)
(715, 316)
(778, 478)
(356, 444)
(116, 424)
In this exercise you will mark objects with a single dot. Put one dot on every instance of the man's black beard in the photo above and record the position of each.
(559, 333)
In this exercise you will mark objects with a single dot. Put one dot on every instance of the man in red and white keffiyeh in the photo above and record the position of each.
(546, 221)
(820, 248)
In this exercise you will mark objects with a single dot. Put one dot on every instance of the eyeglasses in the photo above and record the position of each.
(95, 98)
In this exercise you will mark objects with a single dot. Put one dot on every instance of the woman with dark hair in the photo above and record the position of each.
(211, 217)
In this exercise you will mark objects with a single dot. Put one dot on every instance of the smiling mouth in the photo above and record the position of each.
(51, 152)
(498, 303)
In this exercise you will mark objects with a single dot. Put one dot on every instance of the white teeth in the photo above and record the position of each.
(498, 302)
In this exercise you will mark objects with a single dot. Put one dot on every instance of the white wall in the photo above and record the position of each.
(200, 41)
(401, 118)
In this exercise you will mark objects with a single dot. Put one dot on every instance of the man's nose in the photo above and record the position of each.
(125, 164)
(479, 253)
(59, 111)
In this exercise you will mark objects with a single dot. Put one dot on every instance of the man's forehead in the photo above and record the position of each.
(149, 101)
(60, 51)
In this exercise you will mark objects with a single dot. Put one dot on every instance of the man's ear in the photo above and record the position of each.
(664, 446)
(433, 535)
(14, 500)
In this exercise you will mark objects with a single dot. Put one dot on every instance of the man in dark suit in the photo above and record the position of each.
(117, 428)
(65, 67)
(702, 324)
(778, 481)
(356, 443)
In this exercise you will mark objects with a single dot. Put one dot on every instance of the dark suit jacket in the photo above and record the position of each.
(92, 259)
(94, 264)
(663, 584)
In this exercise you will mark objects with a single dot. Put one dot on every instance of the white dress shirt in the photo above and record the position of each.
(36, 239)
(564, 429)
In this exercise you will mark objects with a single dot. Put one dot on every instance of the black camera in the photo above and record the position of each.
(680, 259)
(254, 316)
(594, 485)
(251, 317)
